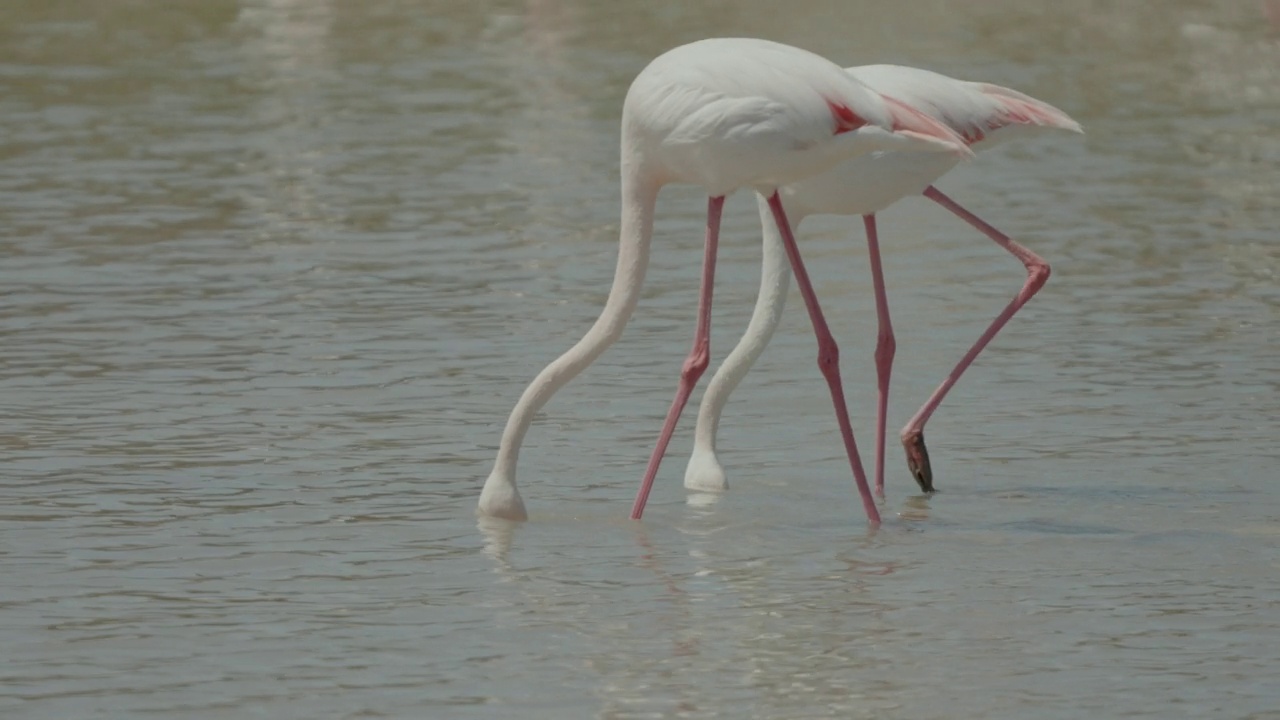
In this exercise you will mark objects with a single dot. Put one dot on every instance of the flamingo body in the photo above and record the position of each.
(984, 115)
(731, 113)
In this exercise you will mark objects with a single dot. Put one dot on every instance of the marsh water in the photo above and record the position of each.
(273, 273)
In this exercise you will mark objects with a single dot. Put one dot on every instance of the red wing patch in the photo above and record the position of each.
(846, 119)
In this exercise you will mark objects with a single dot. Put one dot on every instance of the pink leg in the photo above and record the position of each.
(1037, 275)
(885, 346)
(696, 363)
(828, 356)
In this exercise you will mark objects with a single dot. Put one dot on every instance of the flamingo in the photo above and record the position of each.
(722, 113)
(984, 115)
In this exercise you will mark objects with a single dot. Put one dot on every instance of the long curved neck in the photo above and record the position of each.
(775, 280)
(639, 195)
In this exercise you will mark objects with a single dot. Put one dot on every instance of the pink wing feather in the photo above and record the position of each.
(973, 110)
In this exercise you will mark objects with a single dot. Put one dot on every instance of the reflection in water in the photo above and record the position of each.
(498, 534)
(1271, 10)
(1234, 71)
(546, 120)
(287, 50)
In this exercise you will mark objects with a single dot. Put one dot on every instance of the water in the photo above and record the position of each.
(275, 271)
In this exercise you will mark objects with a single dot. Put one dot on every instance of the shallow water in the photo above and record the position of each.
(275, 271)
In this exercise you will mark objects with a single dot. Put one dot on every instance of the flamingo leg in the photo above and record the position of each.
(1037, 275)
(828, 356)
(696, 362)
(885, 346)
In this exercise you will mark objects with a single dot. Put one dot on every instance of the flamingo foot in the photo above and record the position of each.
(918, 459)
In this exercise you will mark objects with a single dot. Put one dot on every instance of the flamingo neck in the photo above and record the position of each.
(639, 195)
(775, 280)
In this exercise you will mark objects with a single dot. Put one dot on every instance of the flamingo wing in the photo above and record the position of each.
(974, 110)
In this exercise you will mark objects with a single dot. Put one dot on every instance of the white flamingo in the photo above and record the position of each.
(983, 115)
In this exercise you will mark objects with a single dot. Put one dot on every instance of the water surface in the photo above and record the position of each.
(275, 271)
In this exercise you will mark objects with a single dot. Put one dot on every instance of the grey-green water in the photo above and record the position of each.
(273, 272)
